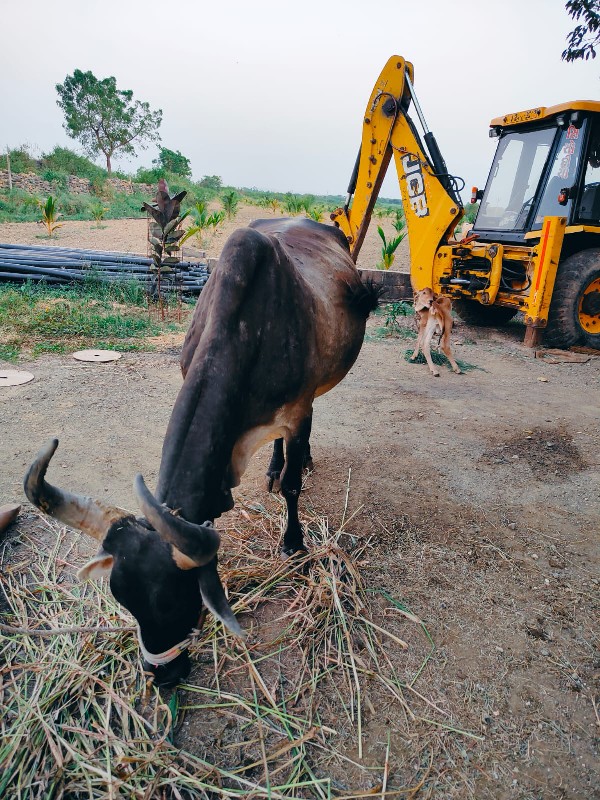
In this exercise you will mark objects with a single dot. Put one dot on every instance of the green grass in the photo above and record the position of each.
(9, 352)
(440, 360)
(95, 314)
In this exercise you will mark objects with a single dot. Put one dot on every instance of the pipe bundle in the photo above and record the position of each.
(20, 263)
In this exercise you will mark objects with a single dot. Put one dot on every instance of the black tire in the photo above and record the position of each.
(567, 318)
(473, 313)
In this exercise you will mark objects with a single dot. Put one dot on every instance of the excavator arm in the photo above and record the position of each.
(431, 202)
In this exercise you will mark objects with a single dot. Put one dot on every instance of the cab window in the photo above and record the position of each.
(562, 175)
(589, 205)
(513, 184)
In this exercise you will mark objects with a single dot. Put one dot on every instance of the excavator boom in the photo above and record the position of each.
(431, 202)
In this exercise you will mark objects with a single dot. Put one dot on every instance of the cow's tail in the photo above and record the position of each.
(363, 297)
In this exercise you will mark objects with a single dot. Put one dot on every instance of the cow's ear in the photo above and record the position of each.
(99, 567)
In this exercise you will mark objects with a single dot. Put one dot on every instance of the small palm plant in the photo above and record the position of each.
(50, 215)
(97, 210)
(292, 204)
(316, 213)
(215, 219)
(230, 201)
(389, 248)
(399, 223)
(201, 221)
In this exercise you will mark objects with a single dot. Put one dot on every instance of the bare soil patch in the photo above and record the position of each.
(476, 499)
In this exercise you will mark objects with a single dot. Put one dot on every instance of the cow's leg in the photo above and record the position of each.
(277, 462)
(307, 462)
(291, 485)
(275, 466)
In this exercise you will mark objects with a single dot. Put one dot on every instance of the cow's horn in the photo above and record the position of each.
(77, 511)
(198, 542)
(214, 598)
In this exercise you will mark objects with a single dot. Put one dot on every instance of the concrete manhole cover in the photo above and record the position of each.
(14, 377)
(96, 355)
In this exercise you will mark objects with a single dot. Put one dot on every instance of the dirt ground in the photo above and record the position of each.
(480, 492)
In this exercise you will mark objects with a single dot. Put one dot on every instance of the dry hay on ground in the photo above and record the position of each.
(330, 676)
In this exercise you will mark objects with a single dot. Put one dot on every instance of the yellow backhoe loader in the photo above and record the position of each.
(535, 243)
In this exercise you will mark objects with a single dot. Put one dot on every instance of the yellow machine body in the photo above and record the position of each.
(433, 209)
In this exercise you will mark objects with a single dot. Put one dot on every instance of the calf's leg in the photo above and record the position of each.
(429, 331)
(445, 344)
(419, 341)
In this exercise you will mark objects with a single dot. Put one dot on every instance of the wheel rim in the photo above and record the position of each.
(589, 307)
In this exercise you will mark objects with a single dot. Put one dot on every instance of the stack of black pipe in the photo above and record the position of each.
(20, 263)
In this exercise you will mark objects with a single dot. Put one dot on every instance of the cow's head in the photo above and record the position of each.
(162, 568)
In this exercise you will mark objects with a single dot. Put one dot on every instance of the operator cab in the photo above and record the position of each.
(547, 163)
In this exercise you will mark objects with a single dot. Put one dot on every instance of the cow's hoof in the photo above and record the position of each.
(297, 556)
(294, 552)
(436, 374)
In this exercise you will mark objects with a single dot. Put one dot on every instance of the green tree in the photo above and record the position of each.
(584, 38)
(211, 182)
(172, 161)
(105, 119)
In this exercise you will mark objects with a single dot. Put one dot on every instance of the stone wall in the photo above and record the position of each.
(35, 184)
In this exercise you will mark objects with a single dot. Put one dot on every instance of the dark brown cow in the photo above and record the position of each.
(280, 321)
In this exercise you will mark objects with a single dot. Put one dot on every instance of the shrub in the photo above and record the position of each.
(66, 161)
(18, 206)
(76, 206)
(126, 205)
(100, 187)
(471, 210)
(21, 160)
(394, 312)
(59, 180)
(149, 175)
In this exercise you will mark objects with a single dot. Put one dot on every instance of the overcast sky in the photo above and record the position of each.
(271, 94)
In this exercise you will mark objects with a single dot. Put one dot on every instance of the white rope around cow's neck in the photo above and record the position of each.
(160, 659)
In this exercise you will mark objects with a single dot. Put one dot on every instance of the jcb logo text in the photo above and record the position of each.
(415, 185)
